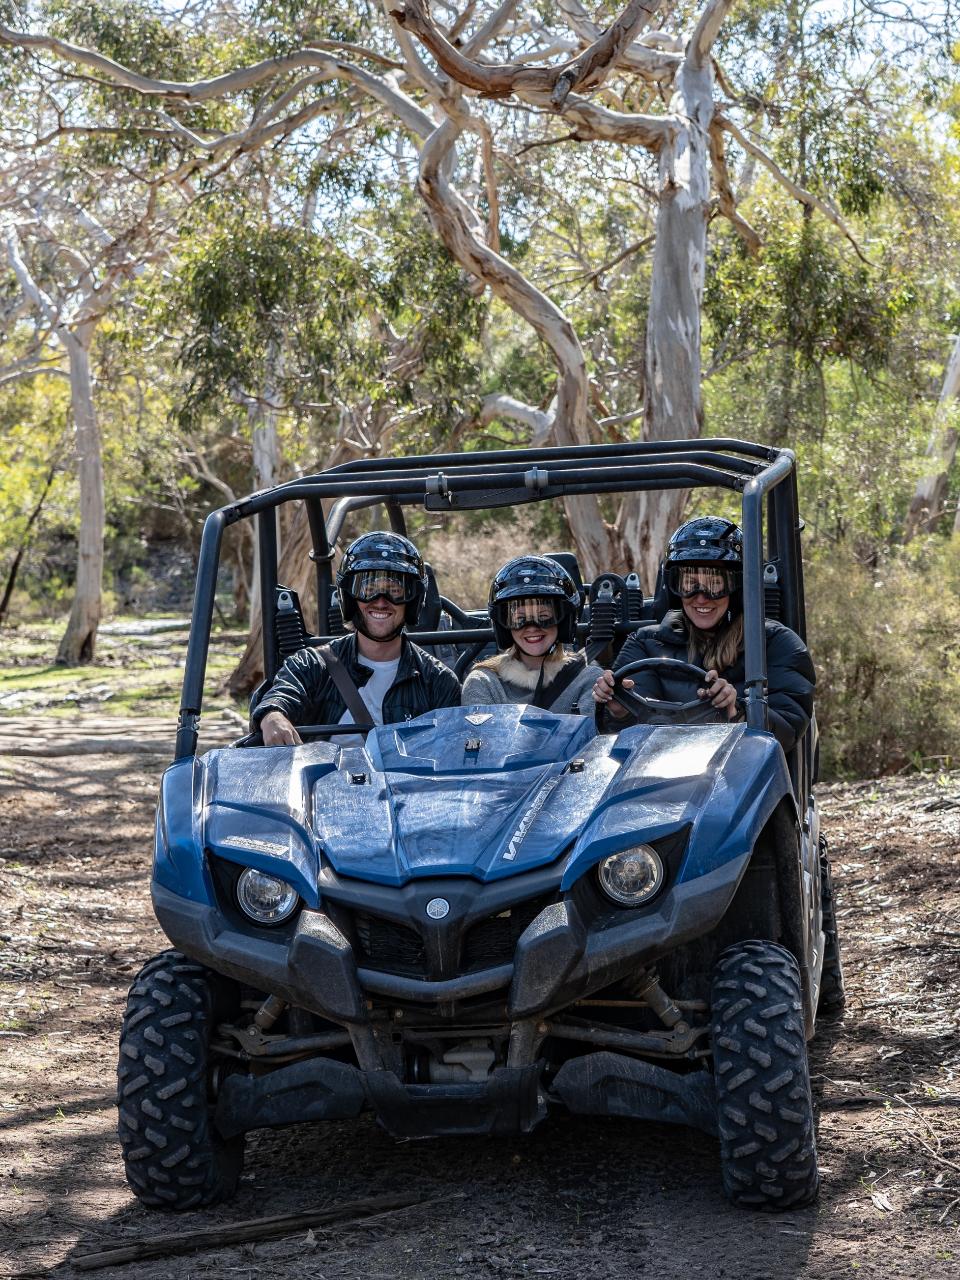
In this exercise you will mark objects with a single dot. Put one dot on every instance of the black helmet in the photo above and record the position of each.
(712, 542)
(528, 577)
(382, 552)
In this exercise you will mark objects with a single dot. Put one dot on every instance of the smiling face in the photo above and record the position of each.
(706, 614)
(381, 616)
(535, 640)
(533, 624)
(704, 592)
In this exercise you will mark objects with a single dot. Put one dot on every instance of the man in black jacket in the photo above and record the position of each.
(381, 582)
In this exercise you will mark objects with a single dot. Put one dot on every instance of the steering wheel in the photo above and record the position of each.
(305, 731)
(697, 711)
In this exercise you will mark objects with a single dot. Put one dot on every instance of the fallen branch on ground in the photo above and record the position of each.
(235, 1233)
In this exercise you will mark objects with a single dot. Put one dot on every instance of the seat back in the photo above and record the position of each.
(428, 618)
(567, 560)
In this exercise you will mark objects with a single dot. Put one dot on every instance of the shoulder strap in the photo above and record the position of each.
(347, 689)
(545, 698)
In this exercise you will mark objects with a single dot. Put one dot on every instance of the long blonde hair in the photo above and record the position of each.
(496, 660)
(718, 649)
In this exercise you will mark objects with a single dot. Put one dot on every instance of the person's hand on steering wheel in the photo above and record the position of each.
(278, 731)
(603, 695)
(721, 693)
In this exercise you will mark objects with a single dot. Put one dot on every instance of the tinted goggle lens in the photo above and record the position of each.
(713, 584)
(368, 585)
(538, 612)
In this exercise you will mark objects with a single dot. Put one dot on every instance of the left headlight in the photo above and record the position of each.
(631, 877)
(264, 898)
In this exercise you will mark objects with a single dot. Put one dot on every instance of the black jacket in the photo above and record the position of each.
(790, 674)
(304, 692)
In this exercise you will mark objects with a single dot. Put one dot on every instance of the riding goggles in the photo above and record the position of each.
(540, 611)
(367, 585)
(688, 581)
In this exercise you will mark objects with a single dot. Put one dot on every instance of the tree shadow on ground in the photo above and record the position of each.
(577, 1198)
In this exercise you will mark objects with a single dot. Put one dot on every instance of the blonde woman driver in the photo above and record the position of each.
(703, 567)
(533, 605)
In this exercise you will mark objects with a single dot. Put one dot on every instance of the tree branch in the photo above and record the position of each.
(183, 91)
(500, 405)
(706, 31)
(799, 193)
(414, 65)
(7, 377)
(490, 29)
(652, 63)
(587, 69)
(725, 196)
(31, 289)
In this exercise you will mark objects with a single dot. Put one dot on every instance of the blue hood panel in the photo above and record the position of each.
(484, 792)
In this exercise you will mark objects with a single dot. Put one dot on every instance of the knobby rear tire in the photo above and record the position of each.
(765, 1111)
(173, 1156)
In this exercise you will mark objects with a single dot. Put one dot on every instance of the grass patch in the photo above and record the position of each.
(133, 676)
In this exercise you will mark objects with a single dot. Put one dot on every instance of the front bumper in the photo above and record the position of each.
(558, 958)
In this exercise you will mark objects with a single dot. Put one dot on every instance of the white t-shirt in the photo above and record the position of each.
(372, 693)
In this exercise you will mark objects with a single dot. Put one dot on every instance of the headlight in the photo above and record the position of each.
(266, 898)
(631, 877)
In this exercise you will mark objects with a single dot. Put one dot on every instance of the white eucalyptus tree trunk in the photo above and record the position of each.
(926, 506)
(673, 407)
(80, 638)
(266, 455)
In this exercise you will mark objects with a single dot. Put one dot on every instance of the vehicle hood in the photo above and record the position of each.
(480, 792)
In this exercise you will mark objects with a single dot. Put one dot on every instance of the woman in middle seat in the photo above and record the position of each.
(533, 605)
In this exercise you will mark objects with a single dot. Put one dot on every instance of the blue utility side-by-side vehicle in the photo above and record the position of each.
(487, 913)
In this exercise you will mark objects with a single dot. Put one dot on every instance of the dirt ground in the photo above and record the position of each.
(579, 1198)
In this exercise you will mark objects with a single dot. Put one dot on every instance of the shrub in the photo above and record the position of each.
(886, 643)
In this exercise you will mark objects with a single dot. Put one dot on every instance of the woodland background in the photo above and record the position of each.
(240, 241)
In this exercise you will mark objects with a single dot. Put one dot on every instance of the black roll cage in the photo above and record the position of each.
(510, 477)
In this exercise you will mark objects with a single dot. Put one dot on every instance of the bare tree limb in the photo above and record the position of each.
(654, 55)
(8, 377)
(587, 69)
(491, 28)
(706, 31)
(503, 406)
(31, 289)
(725, 197)
(186, 91)
(799, 193)
(414, 66)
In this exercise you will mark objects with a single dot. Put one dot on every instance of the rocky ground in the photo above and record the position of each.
(579, 1198)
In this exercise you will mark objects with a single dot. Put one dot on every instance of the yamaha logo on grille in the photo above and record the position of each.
(437, 908)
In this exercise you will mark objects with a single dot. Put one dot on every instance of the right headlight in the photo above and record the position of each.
(264, 898)
(632, 876)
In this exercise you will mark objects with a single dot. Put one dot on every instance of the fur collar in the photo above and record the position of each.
(509, 668)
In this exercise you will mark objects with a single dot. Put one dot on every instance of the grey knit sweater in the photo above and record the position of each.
(506, 679)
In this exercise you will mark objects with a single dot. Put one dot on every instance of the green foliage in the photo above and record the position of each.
(287, 24)
(886, 641)
(127, 31)
(251, 291)
(263, 304)
(806, 292)
(33, 420)
(140, 36)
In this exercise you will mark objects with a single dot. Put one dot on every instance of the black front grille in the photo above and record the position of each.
(389, 947)
(492, 941)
